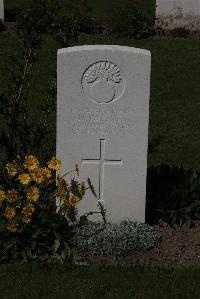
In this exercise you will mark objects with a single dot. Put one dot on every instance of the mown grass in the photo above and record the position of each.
(105, 282)
(100, 8)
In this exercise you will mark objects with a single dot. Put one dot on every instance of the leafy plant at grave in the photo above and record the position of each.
(173, 194)
(112, 239)
(159, 24)
(131, 22)
(31, 229)
(22, 132)
(84, 219)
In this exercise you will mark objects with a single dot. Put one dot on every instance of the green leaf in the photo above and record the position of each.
(35, 235)
(2, 228)
(56, 245)
(57, 235)
(59, 258)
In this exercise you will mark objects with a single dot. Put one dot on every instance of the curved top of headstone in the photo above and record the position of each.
(104, 47)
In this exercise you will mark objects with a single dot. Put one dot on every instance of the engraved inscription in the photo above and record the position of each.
(102, 82)
(101, 162)
(178, 6)
(102, 120)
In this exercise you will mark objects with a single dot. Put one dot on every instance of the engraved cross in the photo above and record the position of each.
(101, 162)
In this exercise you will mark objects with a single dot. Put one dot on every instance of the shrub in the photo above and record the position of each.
(173, 194)
(31, 229)
(180, 32)
(78, 13)
(25, 130)
(131, 22)
(111, 239)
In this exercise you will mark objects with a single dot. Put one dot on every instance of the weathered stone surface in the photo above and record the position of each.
(1, 10)
(102, 124)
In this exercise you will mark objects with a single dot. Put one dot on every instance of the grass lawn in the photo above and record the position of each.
(51, 282)
(100, 8)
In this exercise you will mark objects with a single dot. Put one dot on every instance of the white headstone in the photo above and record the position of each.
(1, 10)
(102, 124)
(173, 14)
(171, 7)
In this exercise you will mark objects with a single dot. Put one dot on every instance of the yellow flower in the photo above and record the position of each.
(66, 206)
(33, 194)
(9, 213)
(24, 178)
(12, 227)
(28, 211)
(73, 200)
(61, 194)
(54, 164)
(31, 162)
(82, 188)
(77, 169)
(46, 172)
(37, 176)
(62, 183)
(2, 195)
(12, 196)
(11, 168)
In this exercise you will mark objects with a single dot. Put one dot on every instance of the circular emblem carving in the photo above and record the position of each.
(102, 82)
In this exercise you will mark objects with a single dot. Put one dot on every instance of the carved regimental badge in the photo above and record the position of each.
(102, 82)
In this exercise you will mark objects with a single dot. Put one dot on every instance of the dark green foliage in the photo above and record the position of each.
(10, 14)
(131, 22)
(111, 239)
(44, 238)
(2, 27)
(180, 32)
(22, 132)
(43, 235)
(79, 12)
(173, 194)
